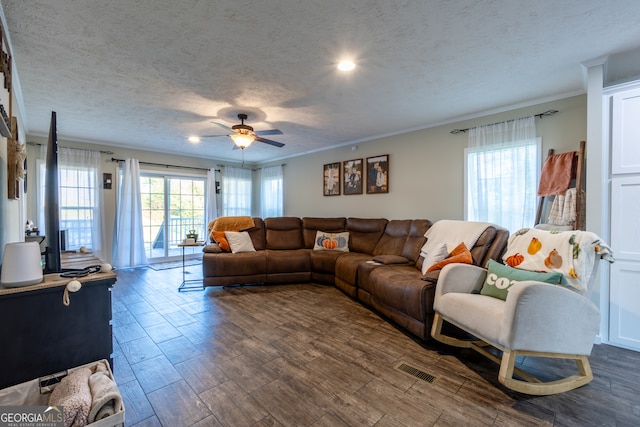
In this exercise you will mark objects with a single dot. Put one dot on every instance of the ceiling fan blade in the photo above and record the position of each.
(268, 132)
(214, 136)
(270, 142)
(223, 126)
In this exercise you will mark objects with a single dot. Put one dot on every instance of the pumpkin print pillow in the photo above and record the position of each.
(331, 241)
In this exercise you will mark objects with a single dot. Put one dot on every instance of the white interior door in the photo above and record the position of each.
(624, 286)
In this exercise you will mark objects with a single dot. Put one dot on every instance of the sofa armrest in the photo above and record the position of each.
(212, 248)
(548, 318)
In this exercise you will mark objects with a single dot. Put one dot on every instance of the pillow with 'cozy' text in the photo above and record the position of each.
(501, 277)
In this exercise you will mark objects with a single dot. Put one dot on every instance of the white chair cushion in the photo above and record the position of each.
(479, 315)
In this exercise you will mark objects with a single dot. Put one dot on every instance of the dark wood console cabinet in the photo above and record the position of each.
(39, 335)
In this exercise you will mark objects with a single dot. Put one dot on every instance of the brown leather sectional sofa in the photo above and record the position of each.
(382, 269)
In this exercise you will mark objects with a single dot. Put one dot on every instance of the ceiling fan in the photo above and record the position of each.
(243, 135)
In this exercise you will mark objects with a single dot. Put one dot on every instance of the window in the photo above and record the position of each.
(501, 173)
(77, 205)
(236, 191)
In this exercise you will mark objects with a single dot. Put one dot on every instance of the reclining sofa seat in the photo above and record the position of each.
(323, 263)
(287, 260)
(364, 235)
(241, 268)
(401, 294)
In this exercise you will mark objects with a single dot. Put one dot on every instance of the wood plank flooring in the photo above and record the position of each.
(307, 355)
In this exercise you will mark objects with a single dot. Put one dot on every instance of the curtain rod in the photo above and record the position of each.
(547, 113)
(166, 166)
(37, 143)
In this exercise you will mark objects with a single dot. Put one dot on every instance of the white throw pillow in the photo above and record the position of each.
(239, 241)
(331, 241)
(433, 253)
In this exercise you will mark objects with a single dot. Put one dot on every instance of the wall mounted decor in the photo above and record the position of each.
(378, 174)
(331, 179)
(352, 178)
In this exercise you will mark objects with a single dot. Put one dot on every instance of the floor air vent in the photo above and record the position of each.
(416, 372)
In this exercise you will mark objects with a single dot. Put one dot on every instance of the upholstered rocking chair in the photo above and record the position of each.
(531, 318)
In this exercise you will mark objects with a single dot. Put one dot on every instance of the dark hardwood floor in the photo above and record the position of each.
(307, 355)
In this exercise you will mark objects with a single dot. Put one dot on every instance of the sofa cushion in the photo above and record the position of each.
(288, 261)
(501, 277)
(331, 241)
(364, 233)
(394, 237)
(283, 233)
(257, 234)
(312, 225)
(400, 288)
(324, 261)
(415, 239)
(212, 248)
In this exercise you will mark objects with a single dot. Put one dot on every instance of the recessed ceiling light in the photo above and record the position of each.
(194, 139)
(346, 66)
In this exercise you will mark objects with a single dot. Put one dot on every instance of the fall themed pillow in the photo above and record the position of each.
(331, 241)
(459, 254)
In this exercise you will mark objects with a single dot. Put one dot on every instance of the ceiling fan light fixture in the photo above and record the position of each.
(243, 140)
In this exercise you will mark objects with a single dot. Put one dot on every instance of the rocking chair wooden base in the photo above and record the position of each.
(529, 384)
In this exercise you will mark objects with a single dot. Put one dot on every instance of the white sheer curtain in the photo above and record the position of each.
(502, 164)
(80, 194)
(271, 192)
(211, 209)
(128, 245)
(81, 165)
(236, 191)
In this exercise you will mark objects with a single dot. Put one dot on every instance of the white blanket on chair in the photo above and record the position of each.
(445, 235)
(572, 253)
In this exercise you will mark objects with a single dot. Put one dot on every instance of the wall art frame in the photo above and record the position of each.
(378, 174)
(352, 176)
(331, 179)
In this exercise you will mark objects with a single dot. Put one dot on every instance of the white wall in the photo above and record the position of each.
(426, 167)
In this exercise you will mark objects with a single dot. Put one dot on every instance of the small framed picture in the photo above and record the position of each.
(378, 174)
(352, 176)
(331, 179)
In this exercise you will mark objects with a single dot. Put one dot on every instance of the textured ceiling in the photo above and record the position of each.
(148, 74)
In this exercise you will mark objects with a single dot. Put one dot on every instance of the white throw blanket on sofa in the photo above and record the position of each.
(445, 235)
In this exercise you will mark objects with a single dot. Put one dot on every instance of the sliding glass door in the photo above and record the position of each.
(172, 206)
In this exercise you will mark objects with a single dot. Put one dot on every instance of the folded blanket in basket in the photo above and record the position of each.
(105, 399)
(74, 396)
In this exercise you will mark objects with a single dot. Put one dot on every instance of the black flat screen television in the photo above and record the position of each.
(53, 263)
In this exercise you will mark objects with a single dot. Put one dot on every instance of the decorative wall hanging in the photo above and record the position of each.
(331, 179)
(378, 174)
(352, 178)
